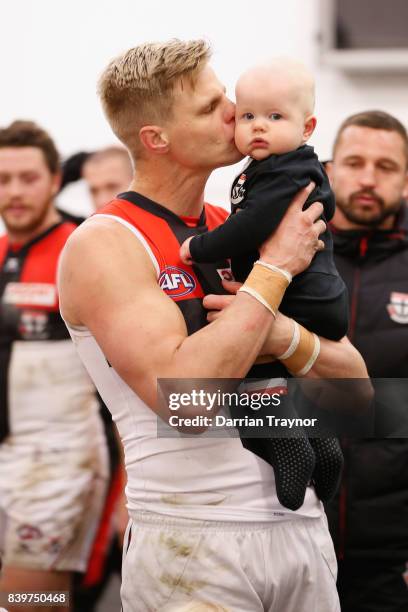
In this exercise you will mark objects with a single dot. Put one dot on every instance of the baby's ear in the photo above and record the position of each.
(310, 124)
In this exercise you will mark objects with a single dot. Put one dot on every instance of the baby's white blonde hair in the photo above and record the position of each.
(293, 71)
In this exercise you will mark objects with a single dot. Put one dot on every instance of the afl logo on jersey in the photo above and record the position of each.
(176, 282)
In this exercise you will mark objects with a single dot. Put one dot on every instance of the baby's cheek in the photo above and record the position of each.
(241, 138)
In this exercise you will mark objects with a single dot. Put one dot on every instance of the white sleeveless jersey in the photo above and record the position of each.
(195, 477)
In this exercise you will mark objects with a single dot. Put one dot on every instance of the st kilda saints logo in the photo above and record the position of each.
(176, 282)
(398, 307)
(238, 190)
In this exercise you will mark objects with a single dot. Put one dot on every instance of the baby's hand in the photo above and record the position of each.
(185, 252)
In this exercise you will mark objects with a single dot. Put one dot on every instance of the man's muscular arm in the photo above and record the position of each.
(336, 359)
(108, 284)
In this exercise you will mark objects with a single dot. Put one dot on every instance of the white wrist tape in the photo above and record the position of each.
(302, 352)
(294, 342)
(258, 297)
(285, 273)
(267, 284)
(312, 359)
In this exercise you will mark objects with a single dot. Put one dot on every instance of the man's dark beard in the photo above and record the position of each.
(363, 220)
(29, 227)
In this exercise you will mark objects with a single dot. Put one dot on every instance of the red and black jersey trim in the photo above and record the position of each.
(34, 262)
(164, 231)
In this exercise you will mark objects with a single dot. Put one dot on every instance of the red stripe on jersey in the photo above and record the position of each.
(40, 266)
(40, 263)
(140, 219)
(3, 248)
(177, 279)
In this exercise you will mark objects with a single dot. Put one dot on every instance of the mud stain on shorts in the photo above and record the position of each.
(179, 549)
(188, 587)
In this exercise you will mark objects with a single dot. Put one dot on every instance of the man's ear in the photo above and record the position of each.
(56, 185)
(310, 124)
(328, 166)
(405, 191)
(154, 139)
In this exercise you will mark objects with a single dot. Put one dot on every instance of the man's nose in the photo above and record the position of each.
(367, 176)
(14, 188)
(229, 112)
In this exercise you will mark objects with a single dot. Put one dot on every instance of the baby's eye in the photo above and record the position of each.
(248, 116)
(275, 116)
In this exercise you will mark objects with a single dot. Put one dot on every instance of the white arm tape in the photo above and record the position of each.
(294, 342)
(285, 273)
(257, 296)
(312, 359)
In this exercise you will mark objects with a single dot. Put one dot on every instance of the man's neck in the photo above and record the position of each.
(180, 191)
(23, 237)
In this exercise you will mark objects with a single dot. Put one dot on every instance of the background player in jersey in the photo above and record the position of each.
(274, 120)
(52, 453)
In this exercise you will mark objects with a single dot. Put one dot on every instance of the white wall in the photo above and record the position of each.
(51, 53)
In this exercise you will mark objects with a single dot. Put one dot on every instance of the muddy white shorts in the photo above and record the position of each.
(176, 565)
(50, 505)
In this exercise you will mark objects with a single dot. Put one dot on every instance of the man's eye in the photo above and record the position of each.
(210, 108)
(387, 168)
(275, 116)
(248, 116)
(30, 178)
(353, 164)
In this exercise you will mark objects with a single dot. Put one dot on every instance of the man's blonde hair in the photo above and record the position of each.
(137, 87)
